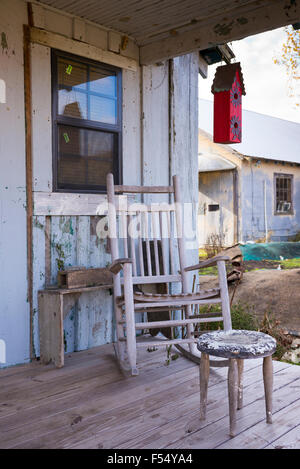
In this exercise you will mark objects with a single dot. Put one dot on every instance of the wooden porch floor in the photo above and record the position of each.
(89, 404)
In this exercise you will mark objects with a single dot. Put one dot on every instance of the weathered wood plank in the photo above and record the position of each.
(291, 440)
(216, 435)
(110, 398)
(39, 270)
(244, 21)
(66, 44)
(175, 431)
(56, 203)
(23, 376)
(82, 278)
(51, 329)
(89, 404)
(144, 189)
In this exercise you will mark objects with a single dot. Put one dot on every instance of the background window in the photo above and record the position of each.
(283, 193)
(86, 123)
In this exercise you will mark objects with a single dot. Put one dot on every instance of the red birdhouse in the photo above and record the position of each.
(228, 88)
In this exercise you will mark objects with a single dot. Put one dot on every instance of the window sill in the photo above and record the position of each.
(68, 204)
(280, 214)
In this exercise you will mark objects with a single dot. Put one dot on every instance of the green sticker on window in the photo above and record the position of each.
(69, 69)
(66, 137)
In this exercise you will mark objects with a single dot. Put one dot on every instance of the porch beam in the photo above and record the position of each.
(262, 16)
(57, 41)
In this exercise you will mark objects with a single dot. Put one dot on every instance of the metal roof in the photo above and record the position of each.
(213, 162)
(264, 137)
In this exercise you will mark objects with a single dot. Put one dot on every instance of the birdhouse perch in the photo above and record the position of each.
(228, 88)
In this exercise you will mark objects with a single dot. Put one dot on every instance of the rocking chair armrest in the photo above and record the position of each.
(207, 263)
(117, 264)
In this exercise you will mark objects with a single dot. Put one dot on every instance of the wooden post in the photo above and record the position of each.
(224, 295)
(268, 385)
(204, 376)
(114, 255)
(129, 316)
(240, 364)
(51, 328)
(29, 175)
(232, 394)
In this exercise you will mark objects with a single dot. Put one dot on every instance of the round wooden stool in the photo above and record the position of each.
(236, 345)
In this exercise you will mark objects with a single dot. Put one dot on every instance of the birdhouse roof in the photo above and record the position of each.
(224, 78)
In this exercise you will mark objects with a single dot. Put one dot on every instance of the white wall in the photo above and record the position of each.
(14, 308)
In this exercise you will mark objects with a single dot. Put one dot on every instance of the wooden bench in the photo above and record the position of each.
(54, 304)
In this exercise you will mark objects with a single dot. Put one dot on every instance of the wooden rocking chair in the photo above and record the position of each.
(135, 268)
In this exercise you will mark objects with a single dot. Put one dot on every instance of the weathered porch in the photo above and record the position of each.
(89, 404)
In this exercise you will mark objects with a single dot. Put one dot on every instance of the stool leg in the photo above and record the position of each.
(268, 384)
(204, 376)
(240, 364)
(232, 394)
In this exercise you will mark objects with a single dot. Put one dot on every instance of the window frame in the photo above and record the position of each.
(57, 119)
(291, 178)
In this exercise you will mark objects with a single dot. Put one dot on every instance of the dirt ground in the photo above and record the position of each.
(272, 290)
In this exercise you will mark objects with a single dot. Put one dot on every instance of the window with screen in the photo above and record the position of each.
(283, 193)
(86, 123)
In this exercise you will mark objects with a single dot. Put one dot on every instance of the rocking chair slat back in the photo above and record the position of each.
(134, 227)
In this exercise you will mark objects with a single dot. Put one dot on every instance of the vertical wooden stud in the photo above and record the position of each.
(29, 170)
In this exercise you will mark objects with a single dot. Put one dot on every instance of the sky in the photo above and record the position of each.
(265, 82)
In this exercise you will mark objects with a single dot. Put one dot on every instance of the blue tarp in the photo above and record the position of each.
(272, 251)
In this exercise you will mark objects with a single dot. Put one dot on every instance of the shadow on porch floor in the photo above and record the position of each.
(89, 404)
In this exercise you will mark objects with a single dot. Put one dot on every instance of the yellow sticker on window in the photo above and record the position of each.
(66, 137)
(69, 69)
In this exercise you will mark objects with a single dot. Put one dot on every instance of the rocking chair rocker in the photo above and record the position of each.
(130, 228)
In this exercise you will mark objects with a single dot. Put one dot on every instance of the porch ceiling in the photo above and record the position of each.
(166, 28)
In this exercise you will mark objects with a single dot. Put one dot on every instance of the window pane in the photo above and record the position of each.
(100, 151)
(72, 104)
(103, 83)
(86, 92)
(85, 156)
(72, 74)
(283, 193)
(103, 110)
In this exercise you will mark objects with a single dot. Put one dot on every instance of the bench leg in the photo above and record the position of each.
(51, 326)
(268, 384)
(232, 394)
(240, 365)
(204, 376)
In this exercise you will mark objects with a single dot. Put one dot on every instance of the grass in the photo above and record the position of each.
(290, 263)
(202, 254)
(285, 264)
(242, 317)
(213, 270)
